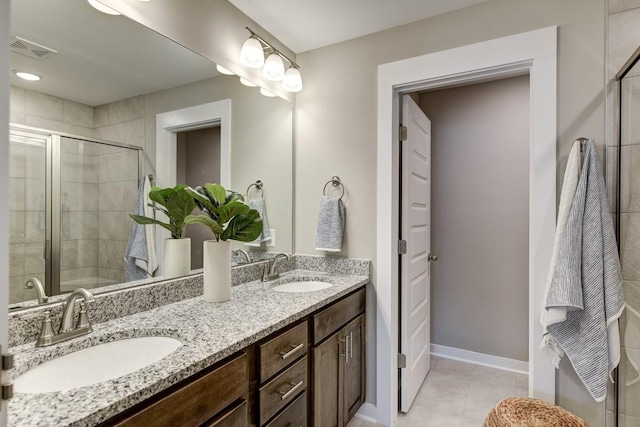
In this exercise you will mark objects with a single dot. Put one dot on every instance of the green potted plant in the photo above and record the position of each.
(176, 203)
(228, 218)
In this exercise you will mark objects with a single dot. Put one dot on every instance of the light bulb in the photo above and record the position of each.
(223, 70)
(292, 80)
(103, 8)
(266, 93)
(247, 82)
(252, 54)
(273, 68)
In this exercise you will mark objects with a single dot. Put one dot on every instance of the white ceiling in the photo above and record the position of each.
(304, 25)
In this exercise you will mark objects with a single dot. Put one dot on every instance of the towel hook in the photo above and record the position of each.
(582, 140)
(258, 184)
(334, 181)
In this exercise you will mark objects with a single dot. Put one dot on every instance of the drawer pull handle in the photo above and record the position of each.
(287, 354)
(286, 394)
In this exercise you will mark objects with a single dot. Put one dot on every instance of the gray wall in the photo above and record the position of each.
(480, 216)
(336, 115)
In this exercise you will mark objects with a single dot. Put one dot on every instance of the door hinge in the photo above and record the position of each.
(403, 133)
(402, 247)
(402, 361)
(6, 363)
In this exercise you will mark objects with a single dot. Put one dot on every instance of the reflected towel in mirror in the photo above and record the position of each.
(259, 205)
(140, 255)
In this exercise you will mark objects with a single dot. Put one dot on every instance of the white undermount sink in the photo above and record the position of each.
(95, 364)
(302, 286)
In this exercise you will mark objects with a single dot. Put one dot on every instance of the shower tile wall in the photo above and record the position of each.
(26, 218)
(120, 121)
(623, 40)
(99, 186)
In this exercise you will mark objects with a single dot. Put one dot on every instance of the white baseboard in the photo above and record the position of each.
(368, 413)
(497, 362)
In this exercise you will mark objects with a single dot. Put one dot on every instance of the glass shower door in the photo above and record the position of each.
(98, 190)
(27, 217)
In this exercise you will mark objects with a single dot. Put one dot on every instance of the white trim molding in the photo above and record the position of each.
(191, 118)
(503, 363)
(533, 52)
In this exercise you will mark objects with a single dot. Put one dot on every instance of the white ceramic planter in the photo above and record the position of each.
(217, 271)
(177, 257)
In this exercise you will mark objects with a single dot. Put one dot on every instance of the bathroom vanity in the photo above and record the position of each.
(264, 358)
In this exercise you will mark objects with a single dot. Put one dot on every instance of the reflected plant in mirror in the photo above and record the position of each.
(176, 203)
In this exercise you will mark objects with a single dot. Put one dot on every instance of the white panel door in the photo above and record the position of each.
(416, 231)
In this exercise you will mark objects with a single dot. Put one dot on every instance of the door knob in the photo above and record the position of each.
(432, 257)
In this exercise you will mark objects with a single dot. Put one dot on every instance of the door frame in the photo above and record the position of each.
(533, 52)
(168, 125)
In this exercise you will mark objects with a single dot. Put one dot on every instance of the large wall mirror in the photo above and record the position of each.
(84, 135)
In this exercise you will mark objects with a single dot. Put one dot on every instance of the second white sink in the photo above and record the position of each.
(302, 286)
(95, 364)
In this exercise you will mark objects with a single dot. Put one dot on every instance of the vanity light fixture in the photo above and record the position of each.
(253, 53)
(292, 80)
(273, 68)
(27, 76)
(247, 82)
(223, 70)
(103, 8)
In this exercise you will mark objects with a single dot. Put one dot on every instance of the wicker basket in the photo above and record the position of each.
(525, 412)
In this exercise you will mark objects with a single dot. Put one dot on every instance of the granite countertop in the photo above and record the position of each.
(209, 332)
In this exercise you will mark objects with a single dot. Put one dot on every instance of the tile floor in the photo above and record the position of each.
(458, 394)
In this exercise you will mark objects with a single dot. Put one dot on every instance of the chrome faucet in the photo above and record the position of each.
(67, 329)
(269, 272)
(246, 255)
(66, 325)
(34, 283)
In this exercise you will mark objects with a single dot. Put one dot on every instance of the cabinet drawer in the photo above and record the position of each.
(281, 390)
(198, 401)
(294, 416)
(337, 315)
(235, 417)
(281, 351)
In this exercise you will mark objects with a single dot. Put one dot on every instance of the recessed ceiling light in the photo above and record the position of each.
(103, 8)
(27, 76)
(247, 82)
(223, 70)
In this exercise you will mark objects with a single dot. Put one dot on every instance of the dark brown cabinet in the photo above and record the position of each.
(214, 397)
(309, 373)
(338, 362)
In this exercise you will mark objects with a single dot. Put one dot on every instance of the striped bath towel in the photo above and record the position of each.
(555, 314)
(587, 281)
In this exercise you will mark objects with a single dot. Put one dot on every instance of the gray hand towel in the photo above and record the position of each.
(137, 244)
(587, 280)
(259, 205)
(330, 225)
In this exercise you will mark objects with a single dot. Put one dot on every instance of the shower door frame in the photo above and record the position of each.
(53, 185)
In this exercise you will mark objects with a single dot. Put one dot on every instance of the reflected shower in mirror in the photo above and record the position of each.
(85, 134)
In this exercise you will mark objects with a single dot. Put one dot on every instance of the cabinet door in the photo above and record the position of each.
(354, 363)
(328, 382)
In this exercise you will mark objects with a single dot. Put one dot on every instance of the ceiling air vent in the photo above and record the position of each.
(30, 49)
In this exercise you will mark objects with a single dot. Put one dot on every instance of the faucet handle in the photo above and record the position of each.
(83, 318)
(46, 330)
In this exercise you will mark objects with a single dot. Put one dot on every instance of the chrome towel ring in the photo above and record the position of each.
(335, 182)
(258, 184)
